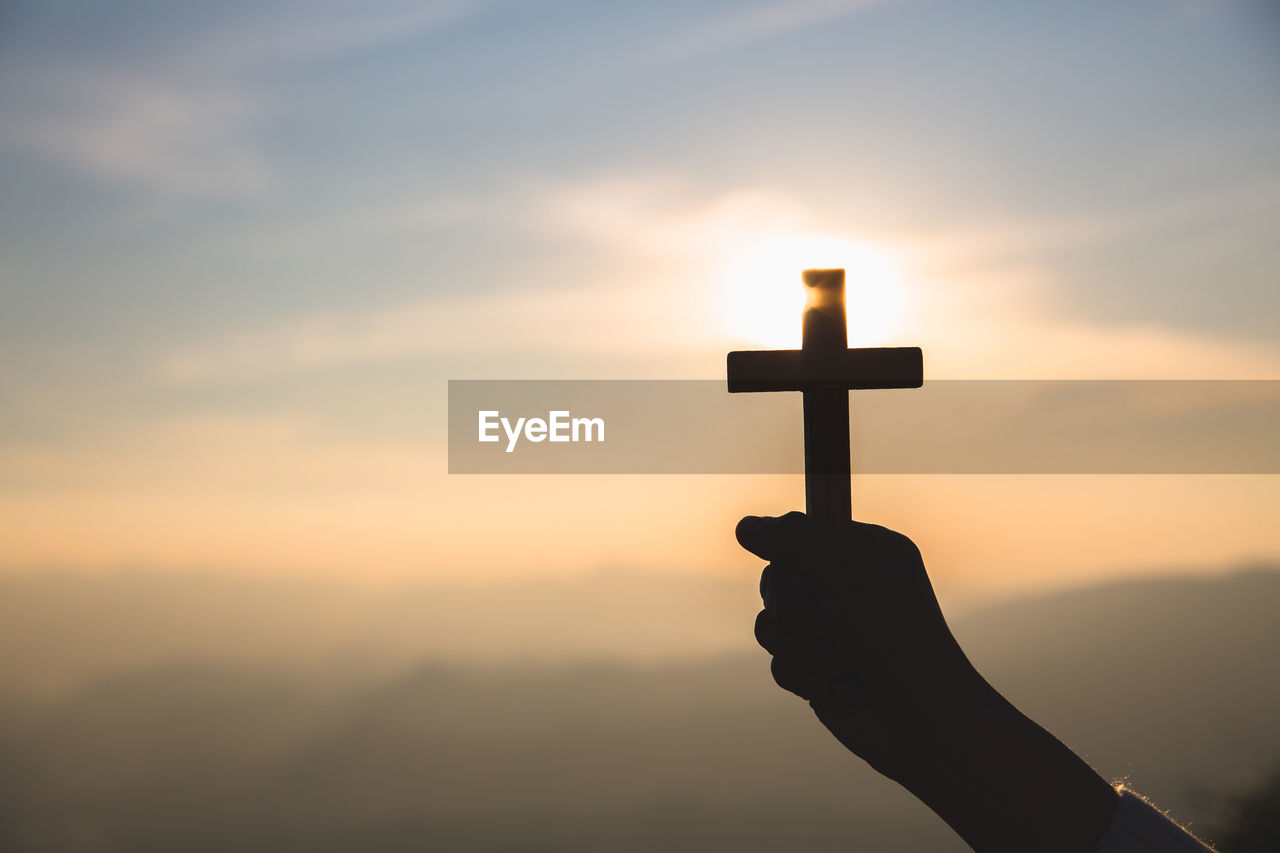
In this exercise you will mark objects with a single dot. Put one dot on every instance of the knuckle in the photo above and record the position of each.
(797, 679)
(903, 546)
(785, 675)
(791, 526)
(891, 541)
(765, 631)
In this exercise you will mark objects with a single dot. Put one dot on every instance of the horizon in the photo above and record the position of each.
(95, 628)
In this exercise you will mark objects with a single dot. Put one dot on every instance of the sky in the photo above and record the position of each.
(243, 247)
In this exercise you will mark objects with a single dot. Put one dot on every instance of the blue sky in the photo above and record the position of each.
(145, 139)
(232, 217)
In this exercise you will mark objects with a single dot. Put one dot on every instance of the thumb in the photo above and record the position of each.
(769, 538)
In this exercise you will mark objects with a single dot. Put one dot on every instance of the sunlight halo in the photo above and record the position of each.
(762, 294)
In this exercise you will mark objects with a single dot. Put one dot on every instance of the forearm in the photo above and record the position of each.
(1001, 781)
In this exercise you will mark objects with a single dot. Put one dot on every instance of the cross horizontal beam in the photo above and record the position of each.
(806, 370)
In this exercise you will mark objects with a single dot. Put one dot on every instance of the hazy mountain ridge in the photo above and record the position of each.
(58, 631)
(1161, 680)
(87, 627)
(1171, 682)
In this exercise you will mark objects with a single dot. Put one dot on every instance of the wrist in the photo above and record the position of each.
(999, 779)
(905, 730)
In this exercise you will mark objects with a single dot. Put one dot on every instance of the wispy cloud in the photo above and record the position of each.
(186, 139)
(285, 34)
(974, 295)
(653, 214)
(179, 112)
(674, 252)
(567, 320)
(667, 240)
(741, 28)
(996, 241)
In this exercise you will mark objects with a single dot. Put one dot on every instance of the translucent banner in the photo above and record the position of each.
(946, 427)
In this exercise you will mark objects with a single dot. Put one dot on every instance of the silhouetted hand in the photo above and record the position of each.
(854, 627)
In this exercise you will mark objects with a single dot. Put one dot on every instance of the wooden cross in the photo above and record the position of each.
(824, 369)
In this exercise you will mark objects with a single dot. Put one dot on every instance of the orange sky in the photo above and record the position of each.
(242, 258)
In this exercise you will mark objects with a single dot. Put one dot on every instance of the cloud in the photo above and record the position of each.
(176, 111)
(742, 28)
(999, 323)
(980, 243)
(666, 239)
(185, 139)
(972, 297)
(653, 214)
(286, 34)
(572, 319)
(673, 254)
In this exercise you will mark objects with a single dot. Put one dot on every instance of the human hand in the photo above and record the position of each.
(854, 627)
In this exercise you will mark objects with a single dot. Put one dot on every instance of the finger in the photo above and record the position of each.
(800, 677)
(752, 533)
(781, 582)
(772, 538)
(796, 534)
(767, 631)
(793, 597)
(808, 546)
(773, 634)
(809, 627)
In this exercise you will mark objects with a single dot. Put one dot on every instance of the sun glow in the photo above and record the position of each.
(764, 297)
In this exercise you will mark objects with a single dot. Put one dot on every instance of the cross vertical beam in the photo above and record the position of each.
(826, 410)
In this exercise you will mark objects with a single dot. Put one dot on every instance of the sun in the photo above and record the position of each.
(763, 296)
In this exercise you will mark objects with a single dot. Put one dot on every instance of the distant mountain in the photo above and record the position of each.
(1172, 682)
(60, 631)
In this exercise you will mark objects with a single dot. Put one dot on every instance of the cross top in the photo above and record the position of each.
(824, 370)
